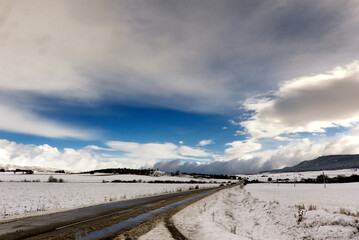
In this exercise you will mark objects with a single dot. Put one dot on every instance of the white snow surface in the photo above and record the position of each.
(19, 199)
(332, 198)
(93, 178)
(263, 177)
(236, 214)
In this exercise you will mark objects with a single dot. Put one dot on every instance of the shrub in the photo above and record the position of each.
(300, 206)
(322, 177)
(52, 179)
(312, 207)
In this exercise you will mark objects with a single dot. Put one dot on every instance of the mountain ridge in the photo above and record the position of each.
(329, 162)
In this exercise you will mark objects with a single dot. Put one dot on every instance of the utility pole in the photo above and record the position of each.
(324, 180)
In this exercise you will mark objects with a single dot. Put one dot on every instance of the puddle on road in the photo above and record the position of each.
(130, 223)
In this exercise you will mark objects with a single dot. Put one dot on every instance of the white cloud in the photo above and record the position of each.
(307, 104)
(231, 121)
(193, 152)
(86, 159)
(49, 157)
(289, 155)
(147, 151)
(205, 142)
(305, 149)
(240, 132)
(241, 149)
(96, 148)
(20, 120)
(135, 155)
(156, 151)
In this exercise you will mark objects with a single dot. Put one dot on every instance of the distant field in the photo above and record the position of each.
(93, 178)
(263, 177)
(333, 197)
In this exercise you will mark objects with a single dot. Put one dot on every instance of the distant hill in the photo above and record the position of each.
(10, 167)
(331, 162)
(123, 171)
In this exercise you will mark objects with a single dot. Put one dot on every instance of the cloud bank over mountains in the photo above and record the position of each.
(288, 155)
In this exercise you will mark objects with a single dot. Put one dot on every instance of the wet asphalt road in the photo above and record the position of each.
(67, 225)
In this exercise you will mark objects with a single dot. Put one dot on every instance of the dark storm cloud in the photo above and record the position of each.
(302, 21)
(201, 56)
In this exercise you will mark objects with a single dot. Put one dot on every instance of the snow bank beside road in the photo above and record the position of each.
(235, 214)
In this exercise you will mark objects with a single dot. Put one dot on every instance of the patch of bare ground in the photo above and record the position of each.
(177, 235)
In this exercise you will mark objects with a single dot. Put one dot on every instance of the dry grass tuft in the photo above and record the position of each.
(300, 206)
(348, 212)
(345, 211)
(312, 207)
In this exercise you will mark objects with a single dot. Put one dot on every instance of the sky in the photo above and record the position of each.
(221, 87)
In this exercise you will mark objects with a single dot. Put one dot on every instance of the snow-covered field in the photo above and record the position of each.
(236, 214)
(269, 211)
(332, 198)
(29, 194)
(260, 211)
(93, 178)
(29, 198)
(263, 177)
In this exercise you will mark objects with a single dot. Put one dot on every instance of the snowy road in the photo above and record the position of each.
(76, 224)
